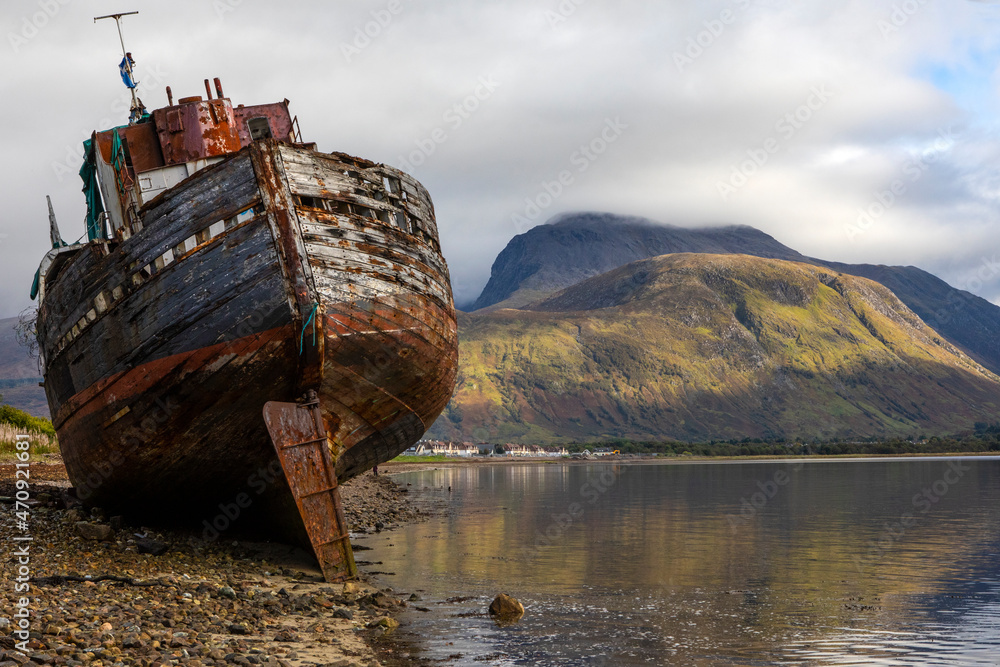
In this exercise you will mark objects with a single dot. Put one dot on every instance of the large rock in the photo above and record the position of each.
(98, 532)
(146, 545)
(386, 624)
(506, 610)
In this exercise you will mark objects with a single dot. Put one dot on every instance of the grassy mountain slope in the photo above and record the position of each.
(966, 320)
(701, 346)
(554, 256)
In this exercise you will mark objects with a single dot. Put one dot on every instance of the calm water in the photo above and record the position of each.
(819, 563)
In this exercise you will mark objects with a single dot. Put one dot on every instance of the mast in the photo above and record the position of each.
(54, 234)
(137, 107)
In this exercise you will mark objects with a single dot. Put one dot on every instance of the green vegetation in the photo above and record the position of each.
(436, 458)
(691, 348)
(19, 419)
(14, 422)
(985, 439)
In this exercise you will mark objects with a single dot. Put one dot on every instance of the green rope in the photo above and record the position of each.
(302, 338)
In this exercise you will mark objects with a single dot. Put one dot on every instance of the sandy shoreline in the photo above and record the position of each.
(227, 602)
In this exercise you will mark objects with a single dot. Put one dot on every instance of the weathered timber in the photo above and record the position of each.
(289, 270)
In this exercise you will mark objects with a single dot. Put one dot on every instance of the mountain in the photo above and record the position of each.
(702, 346)
(19, 374)
(574, 247)
(964, 319)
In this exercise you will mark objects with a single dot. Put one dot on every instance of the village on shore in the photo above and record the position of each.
(489, 450)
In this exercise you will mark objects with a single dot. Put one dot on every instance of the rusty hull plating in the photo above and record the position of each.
(244, 269)
(300, 438)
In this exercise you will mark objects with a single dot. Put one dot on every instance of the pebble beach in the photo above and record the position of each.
(103, 594)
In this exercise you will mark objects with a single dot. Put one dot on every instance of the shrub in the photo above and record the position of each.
(14, 422)
(26, 423)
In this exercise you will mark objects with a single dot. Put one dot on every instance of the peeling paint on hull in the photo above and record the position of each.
(326, 275)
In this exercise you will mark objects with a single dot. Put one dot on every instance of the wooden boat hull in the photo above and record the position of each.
(290, 271)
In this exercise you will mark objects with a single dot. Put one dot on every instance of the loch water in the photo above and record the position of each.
(811, 562)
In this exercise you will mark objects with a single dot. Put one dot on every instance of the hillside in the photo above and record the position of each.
(964, 319)
(19, 374)
(701, 346)
(574, 247)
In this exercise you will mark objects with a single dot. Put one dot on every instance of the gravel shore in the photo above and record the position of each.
(110, 602)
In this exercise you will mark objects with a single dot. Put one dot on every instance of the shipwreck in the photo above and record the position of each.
(243, 303)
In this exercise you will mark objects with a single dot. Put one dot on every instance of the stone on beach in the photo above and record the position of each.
(386, 622)
(100, 601)
(146, 545)
(506, 609)
(98, 532)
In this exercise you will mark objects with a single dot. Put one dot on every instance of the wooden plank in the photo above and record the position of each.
(194, 303)
(385, 281)
(324, 177)
(283, 222)
(388, 360)
(164, 227)
(387, 246)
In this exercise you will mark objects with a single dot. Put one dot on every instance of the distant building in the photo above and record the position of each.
(467, 449)
(440, 448)
(515, 450)
(457, 449)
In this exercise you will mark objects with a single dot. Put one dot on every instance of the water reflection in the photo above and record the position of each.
(846, 562)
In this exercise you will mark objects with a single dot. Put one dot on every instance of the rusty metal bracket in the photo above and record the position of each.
(307, 442)
(301, 442)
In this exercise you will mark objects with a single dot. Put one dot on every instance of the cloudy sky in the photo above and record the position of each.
(858, 131)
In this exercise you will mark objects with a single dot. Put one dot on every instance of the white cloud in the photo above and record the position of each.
(558, 85)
